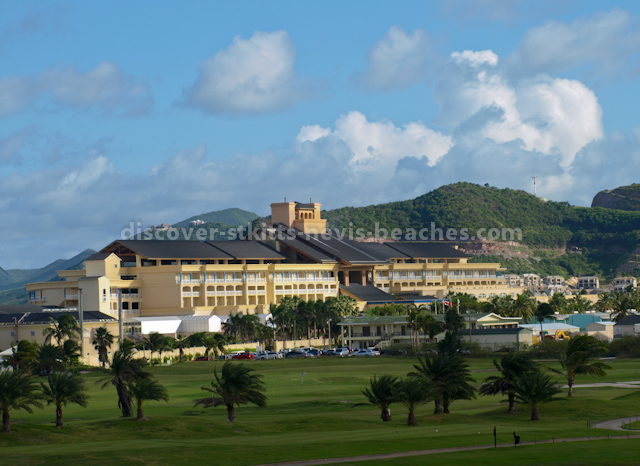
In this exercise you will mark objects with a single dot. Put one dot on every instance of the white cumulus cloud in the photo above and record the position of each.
(106, 88)
(380, 144)
(549, 115)
(398, 60)
(255, 75)
(608, 43)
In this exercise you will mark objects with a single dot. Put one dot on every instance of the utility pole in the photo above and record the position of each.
(534, 185)
(120, 324)
(81, 319)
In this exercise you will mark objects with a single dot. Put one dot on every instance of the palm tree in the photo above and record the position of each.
(180, 343)
(559, 303)
(524, 306)
(382, 394)
(448, 377)
(102, 341)
(215, 342)
(428, 324)
(71, 352)
(533, 389)
(65, 327)
(605, 302)
(233, 326)
(579, 304)
(543, 311)
(235, 385)
(24, 356)
(577, 360)
(17, 391)
(123, 371)
(147, 390)
(156, 342)
(412, 392)
(511, 367)
(50, 358)
(61, 389)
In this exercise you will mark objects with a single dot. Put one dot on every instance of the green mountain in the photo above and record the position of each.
(5, 277)
(233, 217)
(622, 198)
(556, 237)
(13, 292)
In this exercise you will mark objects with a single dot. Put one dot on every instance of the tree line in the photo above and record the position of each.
(443, 378)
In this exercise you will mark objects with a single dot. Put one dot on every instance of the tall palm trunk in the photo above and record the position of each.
(6, 422)
(59, 416)
(570, 384)
(512, 403)
(411, 420)
(231, 413)
(535, 414)
(124, 400)
(438, 404)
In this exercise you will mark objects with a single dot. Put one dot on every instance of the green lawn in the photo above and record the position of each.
(320, 415)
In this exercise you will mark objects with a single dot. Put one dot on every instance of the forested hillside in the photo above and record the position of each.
(603, 239)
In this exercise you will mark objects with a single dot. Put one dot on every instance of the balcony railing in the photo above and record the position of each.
(190, 281)
(224, 280)
(70, 296)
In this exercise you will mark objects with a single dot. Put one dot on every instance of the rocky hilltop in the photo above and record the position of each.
(622, 198)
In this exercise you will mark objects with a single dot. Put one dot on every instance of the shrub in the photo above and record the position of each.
(628, 346)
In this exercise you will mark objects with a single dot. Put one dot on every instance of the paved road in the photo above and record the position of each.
(633, 384)
(404, 454)
(616, 424)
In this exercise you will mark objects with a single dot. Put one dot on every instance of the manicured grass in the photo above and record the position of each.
(319, 415)
(632, 425)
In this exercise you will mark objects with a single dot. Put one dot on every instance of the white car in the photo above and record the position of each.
(267, 355)
(364, 352)
(342, 352)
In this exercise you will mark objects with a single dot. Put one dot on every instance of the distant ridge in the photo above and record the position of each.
(232, 217)
(13, 291)
(622, 198)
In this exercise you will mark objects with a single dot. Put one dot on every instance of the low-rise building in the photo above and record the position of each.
(603, 330)
(530, 280)
(588, 282)
(627, 326)
(553, 280)
(622, 283)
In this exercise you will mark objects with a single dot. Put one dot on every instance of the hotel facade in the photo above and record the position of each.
(294, 255)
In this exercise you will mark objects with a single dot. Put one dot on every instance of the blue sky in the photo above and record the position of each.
(151, 112)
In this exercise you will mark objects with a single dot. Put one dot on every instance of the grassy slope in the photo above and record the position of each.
(324, 416)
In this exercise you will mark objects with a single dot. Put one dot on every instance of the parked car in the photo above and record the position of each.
(245, 355)
(204, 358)
(364, 352)
(297, 354)
(328, 352)
(314, 352)
(375, 351)
(267, 355)
(342, 352)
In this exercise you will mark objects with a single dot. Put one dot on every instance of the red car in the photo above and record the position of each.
(247, 355)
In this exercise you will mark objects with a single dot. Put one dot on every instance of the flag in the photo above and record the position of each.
(447, 302)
